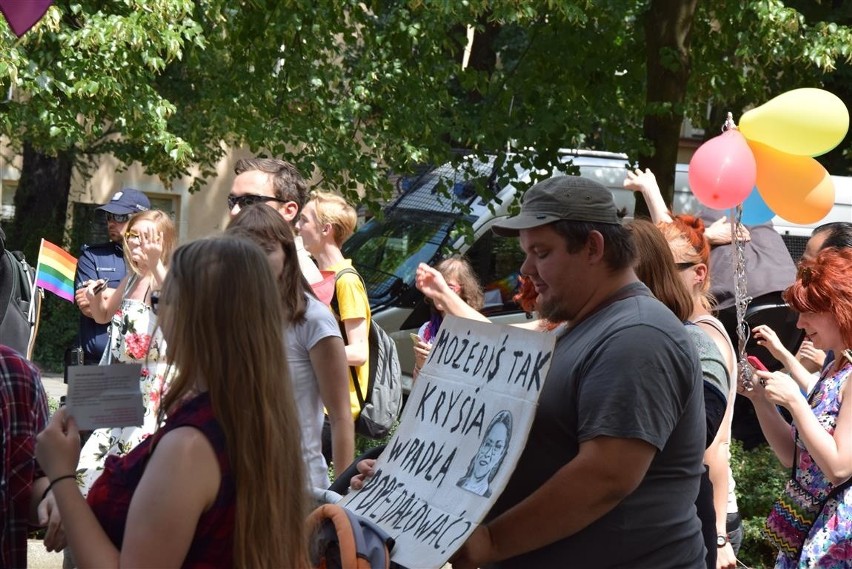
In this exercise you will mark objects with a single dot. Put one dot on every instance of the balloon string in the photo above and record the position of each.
(741, 297)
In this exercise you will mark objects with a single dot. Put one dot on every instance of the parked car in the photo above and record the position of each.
(424, 225)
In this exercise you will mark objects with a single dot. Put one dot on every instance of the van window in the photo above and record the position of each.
(387, 252)
(497, 262)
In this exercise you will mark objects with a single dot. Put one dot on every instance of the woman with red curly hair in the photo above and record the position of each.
(819, 445)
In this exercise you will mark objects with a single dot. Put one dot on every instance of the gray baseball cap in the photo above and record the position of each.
(569, 198)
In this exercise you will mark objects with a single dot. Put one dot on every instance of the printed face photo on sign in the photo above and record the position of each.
(486, 462)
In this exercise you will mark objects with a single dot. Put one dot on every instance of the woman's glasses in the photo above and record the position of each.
(684, 266)
(118, 217)
(250, 199)
(131, 236)
(155, 301)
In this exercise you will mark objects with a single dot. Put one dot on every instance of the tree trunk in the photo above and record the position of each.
(41, 201)
(667, 25)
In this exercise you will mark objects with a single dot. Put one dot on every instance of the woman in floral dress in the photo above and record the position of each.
(822, 423)
(134, 337)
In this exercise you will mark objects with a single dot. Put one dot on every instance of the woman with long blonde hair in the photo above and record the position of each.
(221, 483)
(149, 239)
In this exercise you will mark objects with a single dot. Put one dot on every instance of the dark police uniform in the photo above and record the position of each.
(104, 261)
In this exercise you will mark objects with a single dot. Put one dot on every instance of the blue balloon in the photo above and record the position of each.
(755, 210)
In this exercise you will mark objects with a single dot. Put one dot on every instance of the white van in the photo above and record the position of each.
(423, 226)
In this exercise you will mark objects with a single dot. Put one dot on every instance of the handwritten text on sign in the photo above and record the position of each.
(464, 427)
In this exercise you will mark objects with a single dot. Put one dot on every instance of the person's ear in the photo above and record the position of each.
(595, 246)
(700, 271)
(289, 211)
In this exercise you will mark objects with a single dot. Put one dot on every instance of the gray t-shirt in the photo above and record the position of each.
(630, 371)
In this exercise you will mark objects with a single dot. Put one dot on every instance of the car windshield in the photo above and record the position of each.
(386, 252)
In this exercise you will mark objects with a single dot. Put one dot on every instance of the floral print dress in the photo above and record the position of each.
(829, 544)
(134, 338)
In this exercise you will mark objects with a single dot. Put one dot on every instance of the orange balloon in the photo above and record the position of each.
(796, 188)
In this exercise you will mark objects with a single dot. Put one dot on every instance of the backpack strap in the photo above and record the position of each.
(353, 371)
(342, 532)
(8, 280)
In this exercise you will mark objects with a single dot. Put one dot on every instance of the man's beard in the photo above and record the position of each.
(553, 310)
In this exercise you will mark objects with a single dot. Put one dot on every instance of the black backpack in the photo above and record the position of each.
(17, 292)
(381, 405)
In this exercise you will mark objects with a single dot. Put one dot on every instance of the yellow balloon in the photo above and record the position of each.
(796, 188)
(805, 122)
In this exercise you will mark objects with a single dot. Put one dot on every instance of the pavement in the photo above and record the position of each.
(37, 557)
(54, 385)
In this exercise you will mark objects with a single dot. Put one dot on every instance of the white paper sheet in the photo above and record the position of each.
(105, 396)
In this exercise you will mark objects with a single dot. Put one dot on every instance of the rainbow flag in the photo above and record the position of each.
(55, 270)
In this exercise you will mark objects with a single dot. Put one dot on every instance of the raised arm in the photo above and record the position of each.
(432, 284)
(180, 482)
(646, 184)
(767, 338)
(105, 303)
(831, 452)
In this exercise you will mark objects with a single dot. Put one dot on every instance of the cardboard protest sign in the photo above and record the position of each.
(462, 432)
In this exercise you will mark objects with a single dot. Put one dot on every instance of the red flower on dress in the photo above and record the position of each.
(137, 345)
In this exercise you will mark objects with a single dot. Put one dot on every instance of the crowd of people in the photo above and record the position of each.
(251, 385)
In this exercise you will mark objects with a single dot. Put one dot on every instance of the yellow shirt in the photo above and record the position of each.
(353, 303)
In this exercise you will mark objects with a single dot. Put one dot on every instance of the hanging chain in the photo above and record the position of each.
(741, 297)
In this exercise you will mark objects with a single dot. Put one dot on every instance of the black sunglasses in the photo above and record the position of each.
(684, 266)
(118, 217)
(155, 301)
(250, 199)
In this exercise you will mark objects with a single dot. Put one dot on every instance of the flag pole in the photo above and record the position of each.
(35, 305)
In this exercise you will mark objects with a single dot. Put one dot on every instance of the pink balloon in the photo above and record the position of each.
(722, 171)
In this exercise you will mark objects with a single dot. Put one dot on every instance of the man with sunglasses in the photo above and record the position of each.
(104, 261)
(279, 185)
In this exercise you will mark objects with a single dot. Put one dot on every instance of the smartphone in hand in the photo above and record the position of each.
(756, 363)
(102, 284)
(415, 338)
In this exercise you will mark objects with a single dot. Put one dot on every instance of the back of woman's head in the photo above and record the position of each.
(225, 335)
(457, 268)
(163, 223)
(335, 211)
(824, 284)
(685, 235)
(656, 268)
(264, 226)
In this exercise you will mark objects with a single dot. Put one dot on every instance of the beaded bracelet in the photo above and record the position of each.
(54, 481)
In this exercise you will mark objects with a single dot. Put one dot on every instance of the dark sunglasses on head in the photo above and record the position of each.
(250, 199)
(118, 217)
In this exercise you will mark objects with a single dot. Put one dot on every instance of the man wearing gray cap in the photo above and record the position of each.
(611, 469)
(104, 261)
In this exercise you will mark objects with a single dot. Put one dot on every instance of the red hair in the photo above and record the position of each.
(526, 298)
(691, 228)
(685, 234)
(526, 295)
(824, 284)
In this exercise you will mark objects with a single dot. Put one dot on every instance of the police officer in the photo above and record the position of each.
(104, 261)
